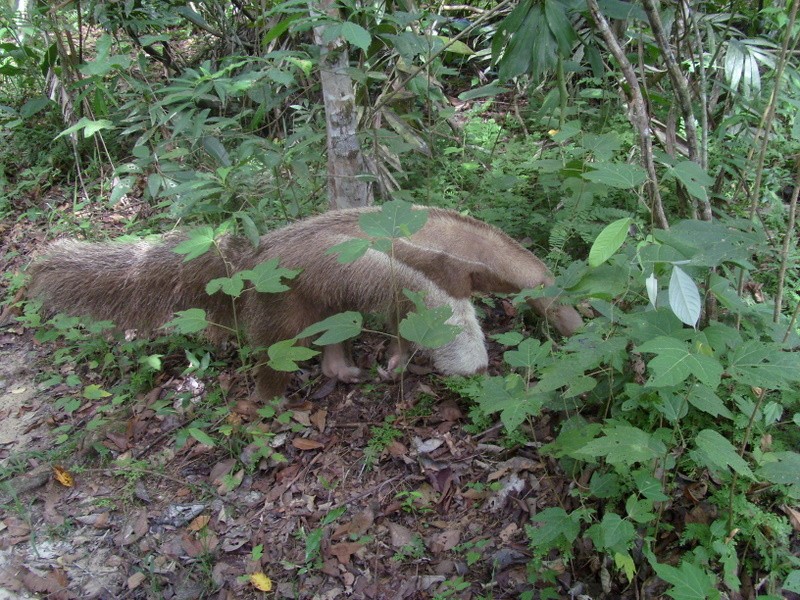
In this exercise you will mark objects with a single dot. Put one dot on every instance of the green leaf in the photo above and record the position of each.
(509, 338)
(509, 396)
(622, 445)
(457, 47)
(94, 392)
(485, 91)
(684, 297)
(188, 321)
(356, 35)
(556, 528)
(266, 276)
(693, 177)
(201, 436)
(283, 355)
(232, 286)
(528, 354)
(428, 328)
(792, 582)
(88, 126)
(703, 398)
(198, 243)
(152, 361)
(613, 533)
(674, 363)
(351, 250)
(758, 364)
(719, 452)
(689, 582)
(617, 175)
(395, 219)
(338, 328)
(782, 468)
(609, 241)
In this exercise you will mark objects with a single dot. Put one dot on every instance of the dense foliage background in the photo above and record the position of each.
(647, 151)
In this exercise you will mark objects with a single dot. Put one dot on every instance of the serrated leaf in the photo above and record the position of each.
(622, 445)
(284, 355)
(689, 582)
(509, 396)
(693, 177)
(617, 175)
(232, 286)
(428, 328)
(684, 297)
(198, 243)
(763, 365)
(350, 251)
(609, 241)
(782, 468)
(556, 527)
(528, 353)
(188, 321)
(395, 219)
(674, 363)
(618, 533)
(508, 338)
(337, 328)
(356, 35)
(721, 453)
(266, 276)
(703, 398)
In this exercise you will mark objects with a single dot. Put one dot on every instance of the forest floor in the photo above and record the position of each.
(383, 492)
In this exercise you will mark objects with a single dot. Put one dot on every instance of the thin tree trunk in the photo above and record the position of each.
(347, 186)
(638, 114)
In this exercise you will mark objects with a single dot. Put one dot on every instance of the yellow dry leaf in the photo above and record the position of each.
(63, 477)
(199, 522)
(261, 582)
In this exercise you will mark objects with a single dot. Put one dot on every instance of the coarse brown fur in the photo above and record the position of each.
(141, 285)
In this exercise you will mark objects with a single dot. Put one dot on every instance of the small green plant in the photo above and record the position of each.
(414, 550)
(451, 588)
(380, 438)
(413, 502)
(313, 541)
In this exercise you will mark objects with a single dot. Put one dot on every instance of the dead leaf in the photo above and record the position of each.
(135, 580)
(400, 535)
(794, 516)
(54, 583)
(134, 528)
(319, 419)
(307, 444)
(63, 477)
(261, 582)
(344, 550)
(444, 541)
(221, 469)
(302, 417)
(199, 522)
(358, 526)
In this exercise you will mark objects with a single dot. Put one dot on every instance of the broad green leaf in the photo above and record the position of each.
(509, 338)
(689, 582)
(152, 361)
(703, 398)
(622, 445)
(764, 365)
(284, 355)
(266, 276)
(88, 127)
(721, 453)
(616, 533)
(356, 35)
(609, 241)
(188, 321)
(428, 328)
(618, 175)
(555, 528)
(201, 436)
(782, 468)
(337, 328)
(457, 47)
(624, 562)
(602, 146)
(684, 297)
(674, 363)
(509, 396)
(528, 353)
(249, 228)
(232, 286)
(198, 243)
(94, 392)
(350, 251)
(792, 582)
(485, 91)
(693, 177)
(395, 219)
(640, 509)
(648, 486)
